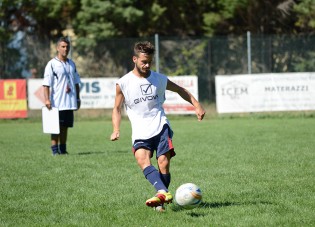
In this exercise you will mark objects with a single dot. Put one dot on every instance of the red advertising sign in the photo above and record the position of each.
(13, 102)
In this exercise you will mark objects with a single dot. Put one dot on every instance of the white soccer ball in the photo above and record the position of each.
(188, 196)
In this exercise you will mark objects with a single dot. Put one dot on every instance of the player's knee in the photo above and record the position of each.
(163, 162)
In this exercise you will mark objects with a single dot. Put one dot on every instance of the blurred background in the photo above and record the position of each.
(197, 37)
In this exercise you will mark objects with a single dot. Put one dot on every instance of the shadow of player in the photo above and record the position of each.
(196, 212)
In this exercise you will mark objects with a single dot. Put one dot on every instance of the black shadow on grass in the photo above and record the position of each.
(206, 205)
(90, 153)
(213, 205)
(217, 204)
(194, 214)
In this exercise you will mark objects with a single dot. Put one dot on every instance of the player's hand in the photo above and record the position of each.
(200, 112)
(48, 104)
(114, 136)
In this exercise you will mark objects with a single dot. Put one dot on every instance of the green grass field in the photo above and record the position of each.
(253, 171)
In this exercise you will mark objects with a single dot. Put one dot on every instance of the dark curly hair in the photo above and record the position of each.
(143, 47)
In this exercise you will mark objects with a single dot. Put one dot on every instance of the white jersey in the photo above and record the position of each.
(58, 76)
(144, 98)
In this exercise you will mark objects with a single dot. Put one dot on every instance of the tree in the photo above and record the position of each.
(305, 11)
(258, 17)
(220, 16)
(97, 22)
(26, 27)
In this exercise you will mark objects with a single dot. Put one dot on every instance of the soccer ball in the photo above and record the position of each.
(188, 196)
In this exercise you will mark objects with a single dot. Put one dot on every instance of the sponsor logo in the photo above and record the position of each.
(90, 87)
(146, 90)
(145, 99)
(296, 88)
(234, 89)
(10, 90)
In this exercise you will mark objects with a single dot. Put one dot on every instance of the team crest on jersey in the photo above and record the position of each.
(146, 89)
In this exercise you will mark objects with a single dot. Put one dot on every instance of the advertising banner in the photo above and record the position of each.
(174, 104)
(13, 98)
(35, 93)
(265, 92)
(95, 93)
(99, 93)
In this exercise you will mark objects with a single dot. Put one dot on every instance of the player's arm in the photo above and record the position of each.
(186, 95)
(47, 96)
(116, 115)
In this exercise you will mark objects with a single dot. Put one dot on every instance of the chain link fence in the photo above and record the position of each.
(204, 57)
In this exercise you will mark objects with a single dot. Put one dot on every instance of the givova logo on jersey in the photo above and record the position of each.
(146, 90)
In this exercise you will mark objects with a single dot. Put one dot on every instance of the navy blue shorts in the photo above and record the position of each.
(66, 118)
(161, 143)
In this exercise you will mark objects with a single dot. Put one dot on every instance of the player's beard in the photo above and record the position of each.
(143, 72)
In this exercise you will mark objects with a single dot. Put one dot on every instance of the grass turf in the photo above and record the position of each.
(252, 172)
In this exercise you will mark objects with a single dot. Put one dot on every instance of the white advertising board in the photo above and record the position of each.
(95, 93)
(99, 93)
(35, 94)
(174, 104)
(265, 92)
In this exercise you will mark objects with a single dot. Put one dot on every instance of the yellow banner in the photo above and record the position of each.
(13, 105)
(13, 101)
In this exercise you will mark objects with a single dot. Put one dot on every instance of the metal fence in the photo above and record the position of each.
(204, 57)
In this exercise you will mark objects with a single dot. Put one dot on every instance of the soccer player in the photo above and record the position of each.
(143, 93)
(61, 90)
